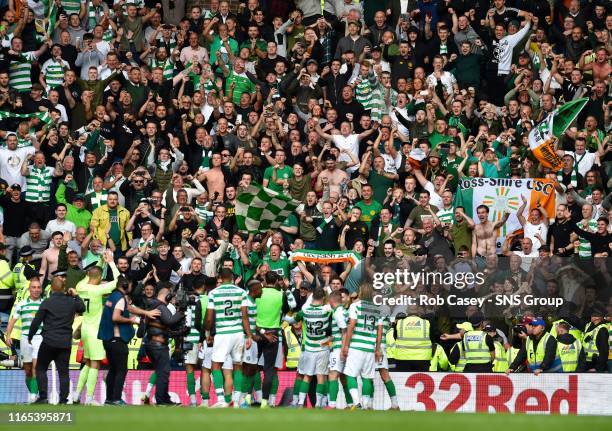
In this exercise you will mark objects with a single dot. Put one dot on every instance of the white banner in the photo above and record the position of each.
(583, 394)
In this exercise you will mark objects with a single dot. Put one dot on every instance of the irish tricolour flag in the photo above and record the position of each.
(502, 196)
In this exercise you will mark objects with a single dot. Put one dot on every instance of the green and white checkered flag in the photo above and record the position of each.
(259, 209)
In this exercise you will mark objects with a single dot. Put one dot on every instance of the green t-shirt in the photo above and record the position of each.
(283, 173)
(281, 266)
(115, 232)
(369, 211)
(436, 138)
(380, 184)
(242, 85)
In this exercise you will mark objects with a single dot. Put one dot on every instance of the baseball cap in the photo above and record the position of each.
(312, 61)
(488, 149)
(305, 285)
(59, 273)
(357, 23)
(466, 326)
(376, 48)
(79, 197)
(598, 311)
(16, 186)
(527, 320)
(489, 328)
(538, 321)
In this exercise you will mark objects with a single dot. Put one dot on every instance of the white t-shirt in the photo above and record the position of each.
(10, 164)
(65, 226)
(434, 198)
(532, 229)
(526, 259)
(585, 161)
(350, 144)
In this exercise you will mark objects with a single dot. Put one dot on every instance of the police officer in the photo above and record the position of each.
(116, 331)
(413, 344)
(56, 315)
(500, 363)
(595, 341)
(456, 351)
(478, 347)
(539, 349)
(157, 340)
(569, 349)
(23, 271)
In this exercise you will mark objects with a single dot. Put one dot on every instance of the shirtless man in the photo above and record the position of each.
(50, 256)
(601, 69)
(215, 180)
(332, 176)
(485, 233)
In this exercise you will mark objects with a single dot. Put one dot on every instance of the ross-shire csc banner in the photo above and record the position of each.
(503, 195)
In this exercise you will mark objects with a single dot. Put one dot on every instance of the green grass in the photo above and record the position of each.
(192, 419)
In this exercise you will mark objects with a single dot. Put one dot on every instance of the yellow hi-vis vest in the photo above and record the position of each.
(500, 363)
(133, 349)
(577, 333)
(7, 283)
(439, 360)
(390, 343)
(590, 346)
(569, 353)
(294, 350)
(534, 359)
(511, 354)
(413, 342)
(460, 365)
(475, 346)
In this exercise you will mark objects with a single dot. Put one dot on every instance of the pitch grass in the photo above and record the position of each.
(189, 419)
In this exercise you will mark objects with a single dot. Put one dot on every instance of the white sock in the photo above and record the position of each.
(394, 402)
(365, 401)
(319, 400)
(301, 398)
(295, 399)
(272, 400)
(192, 399)
(149, 389)
(332, 404)
(236, 397)
(354, 394)
(258, 396)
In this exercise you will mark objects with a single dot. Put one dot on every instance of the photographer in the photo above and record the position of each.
(158, 332)
(116, 331)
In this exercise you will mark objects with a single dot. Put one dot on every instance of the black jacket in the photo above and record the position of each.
(56, 314)
(550, 353)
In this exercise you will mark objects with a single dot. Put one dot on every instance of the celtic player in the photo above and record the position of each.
(194, 312)
(227, 313)
(336, 363)
(316, 318)
(249, 360)
(92, 292)
(25, 311)
(382, 365)
(361, 346)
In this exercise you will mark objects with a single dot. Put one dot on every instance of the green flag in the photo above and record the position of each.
(259, 209)
(566, 114)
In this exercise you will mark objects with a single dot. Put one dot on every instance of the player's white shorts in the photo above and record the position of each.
(193, 355)
(383, 364)
(359, 364)
(336, 363)
(250, 355)
(29, 351)
(278, 363)
(205, 354)
(313, 363)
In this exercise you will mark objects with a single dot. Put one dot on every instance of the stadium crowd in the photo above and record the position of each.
(130, 130)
